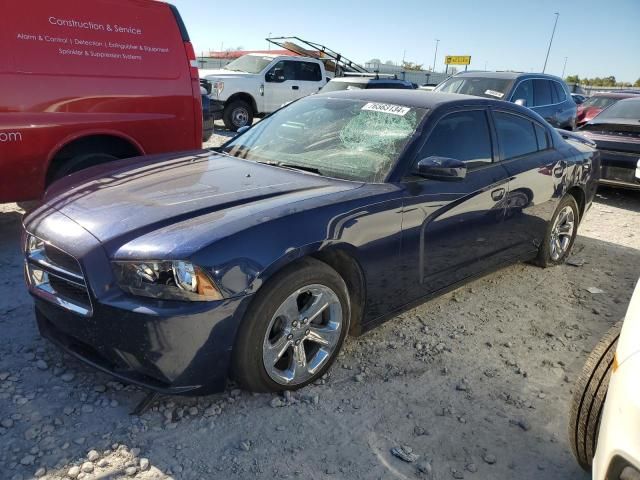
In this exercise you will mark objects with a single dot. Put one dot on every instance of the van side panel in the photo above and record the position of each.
(73, 69)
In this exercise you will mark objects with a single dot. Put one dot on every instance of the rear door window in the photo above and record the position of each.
(541, 136)
(308, 72)
(560, 93)
(516, 134)
(463, 136)
(101, 38)
(542, 93)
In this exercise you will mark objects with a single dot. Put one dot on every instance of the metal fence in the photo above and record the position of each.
(590, 89)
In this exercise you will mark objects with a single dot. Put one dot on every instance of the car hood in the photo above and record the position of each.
(223, 74)
(130, 199)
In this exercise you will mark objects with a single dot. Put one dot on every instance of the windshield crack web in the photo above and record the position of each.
(376, 132)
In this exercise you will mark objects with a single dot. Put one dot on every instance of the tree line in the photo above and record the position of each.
(600, 82)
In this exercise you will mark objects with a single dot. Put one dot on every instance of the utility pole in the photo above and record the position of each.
(269, 43)
(550, 41)
(434, 56)
(564, 68)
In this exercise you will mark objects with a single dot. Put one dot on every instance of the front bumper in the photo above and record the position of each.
(619, 437)
(172, 347)
(217, 109)
(170, 351)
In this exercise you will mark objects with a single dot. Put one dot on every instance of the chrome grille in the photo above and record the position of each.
(56, 276)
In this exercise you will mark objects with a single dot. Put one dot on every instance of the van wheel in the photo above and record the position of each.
(80, 162)
(590, 391)
(237, 114)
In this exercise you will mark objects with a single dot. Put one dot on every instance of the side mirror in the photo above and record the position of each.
(241, 130)
(276, 75)
(521, 101)
(441, 168)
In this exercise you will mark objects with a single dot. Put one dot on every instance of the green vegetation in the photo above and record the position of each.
(600, 82)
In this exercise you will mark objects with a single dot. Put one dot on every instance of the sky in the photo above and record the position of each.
(599, 38)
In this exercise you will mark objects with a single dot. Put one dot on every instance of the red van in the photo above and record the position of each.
(87, 82)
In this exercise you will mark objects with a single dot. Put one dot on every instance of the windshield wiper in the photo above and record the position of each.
(290, 166)
(299, 167)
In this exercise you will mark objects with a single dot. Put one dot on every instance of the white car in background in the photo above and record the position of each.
(604, 428)
(258, 84)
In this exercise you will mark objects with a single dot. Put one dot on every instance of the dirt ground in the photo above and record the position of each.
(475, 383)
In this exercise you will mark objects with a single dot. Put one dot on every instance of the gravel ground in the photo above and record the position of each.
(474, 384)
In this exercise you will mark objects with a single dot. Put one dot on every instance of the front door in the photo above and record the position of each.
(455, 229)
(282, 84)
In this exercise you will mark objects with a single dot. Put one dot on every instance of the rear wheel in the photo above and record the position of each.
(561, 234)
(237, 114)
(588, 398)
(293, 330)
(80, 162)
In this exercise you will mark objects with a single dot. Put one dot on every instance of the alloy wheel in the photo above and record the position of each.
(302, 335)
(562, 233)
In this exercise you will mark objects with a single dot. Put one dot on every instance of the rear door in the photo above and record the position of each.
(536, 171)
(543, 102)
(309, 76)
(455, 229)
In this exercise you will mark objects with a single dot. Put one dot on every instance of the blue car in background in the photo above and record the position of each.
(255, 260)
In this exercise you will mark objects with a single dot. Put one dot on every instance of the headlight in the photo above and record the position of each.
(167, 280)
(218, 87)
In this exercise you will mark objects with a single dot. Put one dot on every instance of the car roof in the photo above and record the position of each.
(632, 98)
(506, 75)
(367, 79)
(412, 98)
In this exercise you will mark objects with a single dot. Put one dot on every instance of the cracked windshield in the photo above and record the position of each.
(341, 138)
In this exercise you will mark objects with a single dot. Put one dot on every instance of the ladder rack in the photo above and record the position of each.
(333, 61)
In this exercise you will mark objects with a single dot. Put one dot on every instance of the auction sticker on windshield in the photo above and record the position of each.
(494, 93)
(387, 108)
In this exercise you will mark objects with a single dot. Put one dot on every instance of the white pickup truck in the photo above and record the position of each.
(256, 84)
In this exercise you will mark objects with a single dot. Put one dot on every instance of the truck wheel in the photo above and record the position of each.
(80, 162)
(237, 114)
(589, 393)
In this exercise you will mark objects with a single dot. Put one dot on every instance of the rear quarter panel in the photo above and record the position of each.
(76, 68)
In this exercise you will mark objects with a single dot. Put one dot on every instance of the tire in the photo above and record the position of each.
(546, 253)
(589, 394)
(253, 347)
(80, 162)
(237, 114)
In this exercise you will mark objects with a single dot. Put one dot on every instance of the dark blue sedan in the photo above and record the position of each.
(254, 261)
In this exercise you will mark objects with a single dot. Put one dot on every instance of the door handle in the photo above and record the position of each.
(295, 87)
(497, 194)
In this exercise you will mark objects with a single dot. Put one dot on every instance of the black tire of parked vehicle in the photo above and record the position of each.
(590, 391)
(247, 364)
(237, 114)
(544, 258)
(80, 162)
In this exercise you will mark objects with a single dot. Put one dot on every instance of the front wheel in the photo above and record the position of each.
(561, 234)
(293, 329)
(589, 394)
(237, 114)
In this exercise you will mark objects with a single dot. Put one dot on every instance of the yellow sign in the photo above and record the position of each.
(457, 60)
